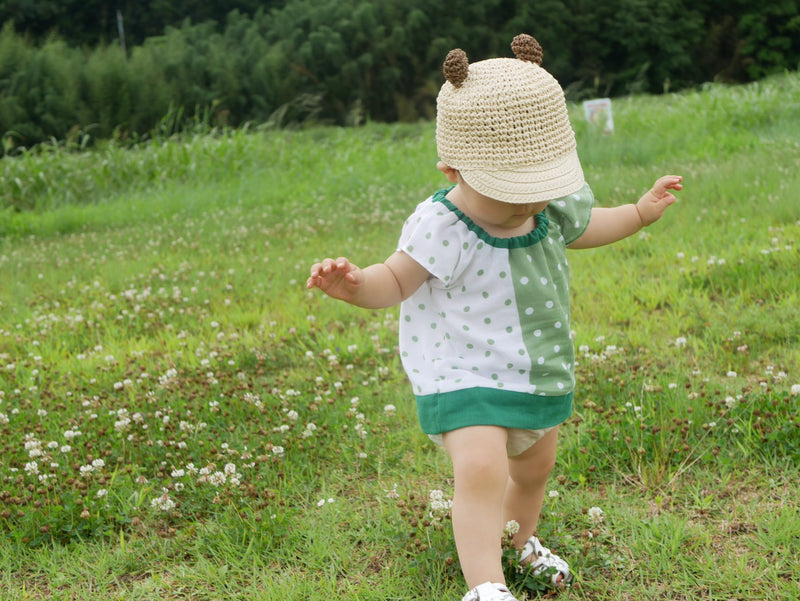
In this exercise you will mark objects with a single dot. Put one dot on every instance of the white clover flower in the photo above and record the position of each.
(730, 402)
(795, 390)
(390, 409)
(217, 479)
(596, 515)
(98, 464)
(278, 451)
(123, 422)
(511, 528)
(32, 468)
(163, 503)
(101, 493)
(178, 473)
(553, 494)
(361, 430)
(680, 341)
(731, 374)
(65, 449)
(439, 505)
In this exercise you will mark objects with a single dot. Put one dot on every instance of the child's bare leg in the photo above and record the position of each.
(527, 479)
(481, 473)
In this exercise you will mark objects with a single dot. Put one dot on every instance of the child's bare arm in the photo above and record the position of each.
(609, 225)
(375, 287)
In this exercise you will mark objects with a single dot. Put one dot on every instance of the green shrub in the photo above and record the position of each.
(347, 61)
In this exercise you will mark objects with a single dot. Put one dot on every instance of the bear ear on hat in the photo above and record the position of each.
(456, 67)
(526, 48)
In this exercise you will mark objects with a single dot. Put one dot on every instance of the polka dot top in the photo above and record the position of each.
(486, 340)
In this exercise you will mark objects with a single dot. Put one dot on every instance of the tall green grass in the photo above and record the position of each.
(152, 300)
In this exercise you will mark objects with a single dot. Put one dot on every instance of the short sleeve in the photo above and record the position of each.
(572, 213)
(435, 238)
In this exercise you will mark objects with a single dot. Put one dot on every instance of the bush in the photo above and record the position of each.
(345, 61)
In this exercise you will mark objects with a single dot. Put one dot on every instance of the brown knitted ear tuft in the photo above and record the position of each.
(526, 48)
(456, 67)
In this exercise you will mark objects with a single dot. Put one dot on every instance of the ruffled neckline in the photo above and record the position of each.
(536, 235)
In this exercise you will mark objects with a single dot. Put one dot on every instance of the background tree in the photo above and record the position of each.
(345, 61)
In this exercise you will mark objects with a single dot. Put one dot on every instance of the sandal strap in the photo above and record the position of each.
(545, 559)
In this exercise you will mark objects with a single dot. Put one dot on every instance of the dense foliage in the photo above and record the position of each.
(344, 61)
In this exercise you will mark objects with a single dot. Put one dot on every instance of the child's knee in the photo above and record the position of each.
(534, 470)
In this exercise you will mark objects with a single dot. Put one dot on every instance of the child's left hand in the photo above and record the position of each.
(652, 205)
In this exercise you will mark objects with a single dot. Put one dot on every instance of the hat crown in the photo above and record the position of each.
(506, 113)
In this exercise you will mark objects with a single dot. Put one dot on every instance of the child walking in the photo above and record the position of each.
(481, 274)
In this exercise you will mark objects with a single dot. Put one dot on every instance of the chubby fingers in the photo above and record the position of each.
(326, 267)
(667, 182)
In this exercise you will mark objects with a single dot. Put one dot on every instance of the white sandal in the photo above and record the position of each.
(489, 591)
(544, 559)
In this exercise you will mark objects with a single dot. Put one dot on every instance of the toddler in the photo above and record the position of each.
(482, 275)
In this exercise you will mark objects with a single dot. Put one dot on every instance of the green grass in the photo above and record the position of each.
(152, 299)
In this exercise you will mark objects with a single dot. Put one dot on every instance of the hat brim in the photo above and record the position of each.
(530, 183)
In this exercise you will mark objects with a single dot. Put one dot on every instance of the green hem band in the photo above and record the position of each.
(445, 411)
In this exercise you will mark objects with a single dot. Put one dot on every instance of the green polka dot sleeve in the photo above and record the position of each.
(434, 237)
(571, 214)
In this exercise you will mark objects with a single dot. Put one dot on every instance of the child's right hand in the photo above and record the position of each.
(652, 205)
(338, 278)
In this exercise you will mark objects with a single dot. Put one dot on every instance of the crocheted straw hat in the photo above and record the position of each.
(503, 124)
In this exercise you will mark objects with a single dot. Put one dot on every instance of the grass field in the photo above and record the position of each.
(181, 419)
